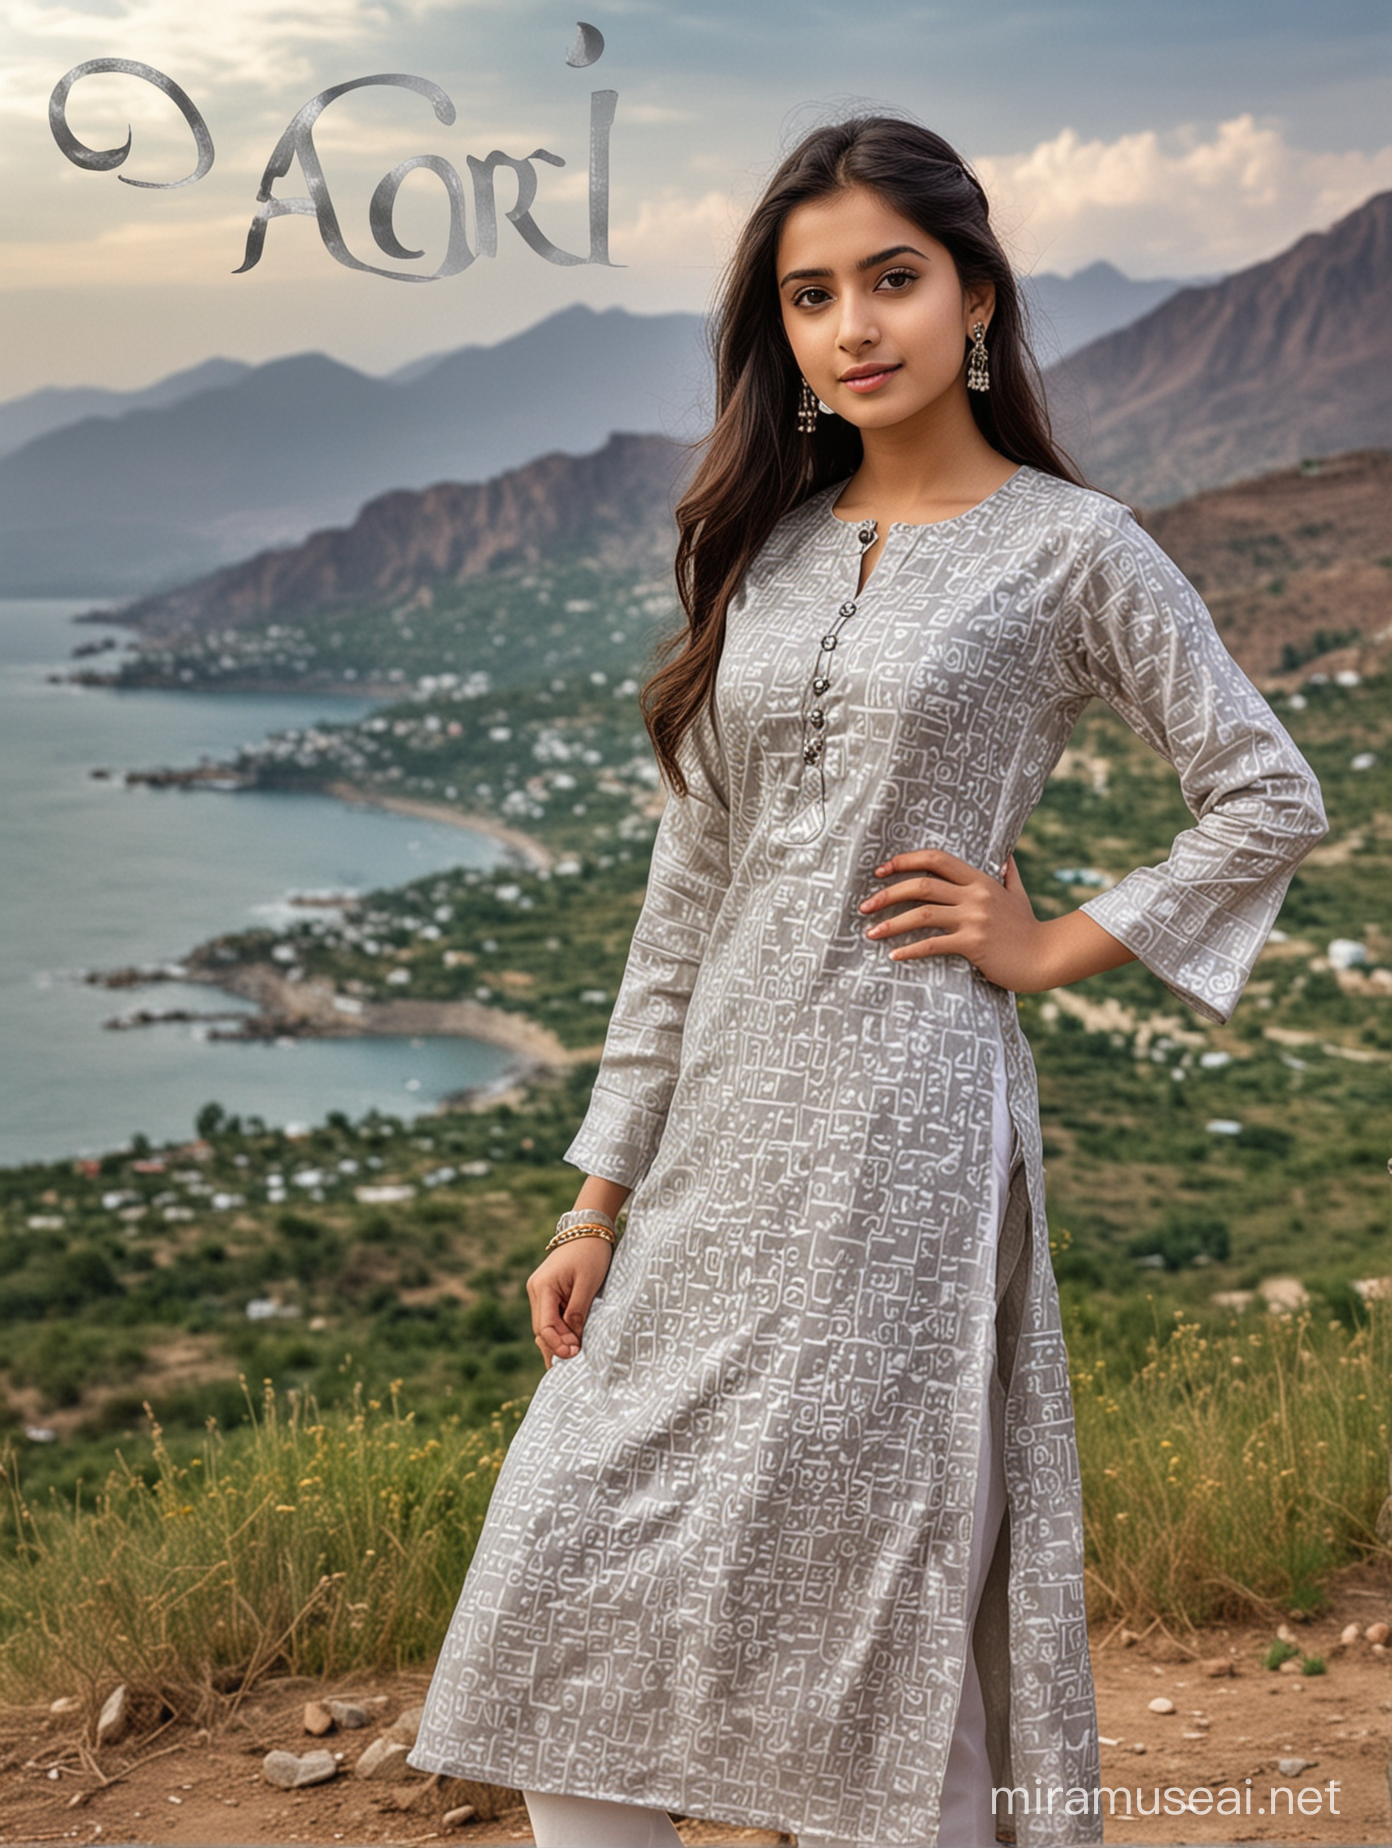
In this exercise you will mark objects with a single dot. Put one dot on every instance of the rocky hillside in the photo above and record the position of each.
(1287, 359)
(1296, 566)
(613, 506)
(567, 563)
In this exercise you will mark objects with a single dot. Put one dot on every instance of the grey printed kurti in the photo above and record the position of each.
(724, 1568)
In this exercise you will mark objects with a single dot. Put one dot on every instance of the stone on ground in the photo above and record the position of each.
(349, 1714)
(115, 1717)
(288, 1772)
(406, 1727)
(383, 1758)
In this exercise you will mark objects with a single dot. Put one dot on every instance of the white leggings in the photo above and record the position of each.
(967, 1819)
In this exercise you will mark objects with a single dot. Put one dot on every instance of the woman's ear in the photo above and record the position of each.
(980, 303)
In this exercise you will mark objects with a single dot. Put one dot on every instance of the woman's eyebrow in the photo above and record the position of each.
(895, 250)
(865, 263)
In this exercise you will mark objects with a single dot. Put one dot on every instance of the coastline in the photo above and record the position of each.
(525, 845)
(224, 777)
(314, 1010)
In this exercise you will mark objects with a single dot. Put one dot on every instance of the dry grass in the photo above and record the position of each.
(1226, 1481)
(311, 1545)
(1234, 1473)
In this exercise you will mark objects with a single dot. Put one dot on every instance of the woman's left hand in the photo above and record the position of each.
(989, 922)
(992, 924)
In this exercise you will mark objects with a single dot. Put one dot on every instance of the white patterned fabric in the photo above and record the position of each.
(725, 1566)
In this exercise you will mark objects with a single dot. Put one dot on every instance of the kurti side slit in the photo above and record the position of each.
(967, 1813)
(733, 1553)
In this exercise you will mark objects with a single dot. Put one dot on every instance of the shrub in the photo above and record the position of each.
(309, 1544)
(1235, 1468)
(1182, 1235)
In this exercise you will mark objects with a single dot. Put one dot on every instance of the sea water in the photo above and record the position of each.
(96, 874)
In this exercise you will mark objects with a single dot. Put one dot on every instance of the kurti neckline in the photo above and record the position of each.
(924, 526)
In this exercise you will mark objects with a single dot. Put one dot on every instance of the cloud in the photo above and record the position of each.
(672, 231)
(171, 252)
(1152, 204)
(1172, 204)
(249, 42)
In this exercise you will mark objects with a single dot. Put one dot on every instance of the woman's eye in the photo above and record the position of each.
(810, 298)
(897, 279)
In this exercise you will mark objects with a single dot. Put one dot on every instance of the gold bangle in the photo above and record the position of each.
(580, 1231)
(565, 1236)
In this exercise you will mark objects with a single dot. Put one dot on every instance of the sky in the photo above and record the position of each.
(1171, 138)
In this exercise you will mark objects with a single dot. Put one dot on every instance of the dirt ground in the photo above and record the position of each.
(205, 1789)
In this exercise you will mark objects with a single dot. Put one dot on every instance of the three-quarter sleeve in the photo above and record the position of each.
(687, 880)
(1137, 634)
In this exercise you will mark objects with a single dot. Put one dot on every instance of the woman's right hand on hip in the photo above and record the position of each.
(562, 1289)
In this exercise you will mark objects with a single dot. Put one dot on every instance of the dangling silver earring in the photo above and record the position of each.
(808, 406)
(978, 372)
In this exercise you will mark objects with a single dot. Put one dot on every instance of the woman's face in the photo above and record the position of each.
(874, 309)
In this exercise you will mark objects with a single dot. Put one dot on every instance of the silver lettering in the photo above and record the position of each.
(603, 103)
(103, 160)
(520, 214)
(587, 46)
(297, 143)
(458, 256)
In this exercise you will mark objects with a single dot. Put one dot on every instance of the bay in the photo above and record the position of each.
(98, 875)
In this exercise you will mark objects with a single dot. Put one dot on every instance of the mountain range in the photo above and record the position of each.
(613, 506)
(1068, 311)
(115, 506)
(1287, 359)
(115, 493)
(1293, 564)
(53, 406)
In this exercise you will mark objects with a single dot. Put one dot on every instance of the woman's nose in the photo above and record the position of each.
(857, 329)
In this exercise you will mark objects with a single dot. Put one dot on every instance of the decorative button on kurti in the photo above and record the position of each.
(725, 1564)
(814, 718)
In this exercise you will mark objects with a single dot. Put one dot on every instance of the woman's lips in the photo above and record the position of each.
(869, 381)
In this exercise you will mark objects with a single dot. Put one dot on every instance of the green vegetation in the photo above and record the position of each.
(1229, 1474)
(1296, 654)
(514, 627)
(347, 1257)
(1186, 1163)
(551, 945)
(320, 1544)
(1301, 1078)
(1237, 1467)
(1130, 1079)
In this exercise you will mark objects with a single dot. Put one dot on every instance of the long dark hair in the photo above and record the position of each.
(757, 466)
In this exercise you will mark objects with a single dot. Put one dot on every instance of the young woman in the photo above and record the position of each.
(792, 1534)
